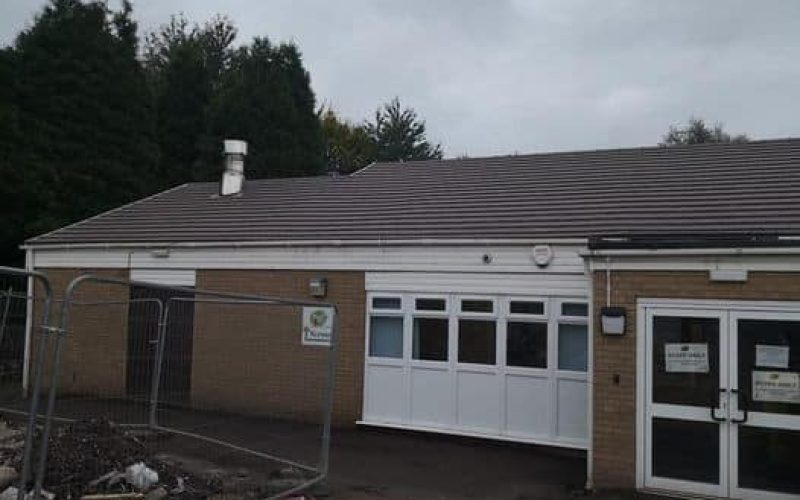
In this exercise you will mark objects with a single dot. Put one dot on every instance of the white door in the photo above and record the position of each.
(722, 411)
(765, 405)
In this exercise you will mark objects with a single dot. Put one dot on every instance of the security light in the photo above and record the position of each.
(612, 320)
(318, 287)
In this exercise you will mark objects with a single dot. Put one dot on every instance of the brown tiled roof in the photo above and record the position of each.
(702, 189)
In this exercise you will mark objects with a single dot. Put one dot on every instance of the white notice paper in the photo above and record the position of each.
(772, 356)
(776, 387)
(686, 358)
(317, 325)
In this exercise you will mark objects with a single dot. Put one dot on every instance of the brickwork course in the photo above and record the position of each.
(614, 418)
(245, 357)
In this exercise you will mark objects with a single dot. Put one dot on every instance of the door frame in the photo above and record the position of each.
(764, 420)
(697, 308)
(684, 412)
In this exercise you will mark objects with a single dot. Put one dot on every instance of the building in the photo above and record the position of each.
(642, 304)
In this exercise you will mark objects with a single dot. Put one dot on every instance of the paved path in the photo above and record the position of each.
(369, 463)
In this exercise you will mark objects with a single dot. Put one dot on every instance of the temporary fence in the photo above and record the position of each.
(204, 383)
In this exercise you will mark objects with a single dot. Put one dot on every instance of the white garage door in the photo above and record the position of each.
(505, 367)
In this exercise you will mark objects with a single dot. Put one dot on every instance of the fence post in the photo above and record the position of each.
(329, 397)
(33, 408)
(6, 308)
(162, 339)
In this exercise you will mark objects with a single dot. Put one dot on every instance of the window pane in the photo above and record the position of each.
(781, 337)
(526, 344)
(386, 303)
(476, 341)
(768, 459)
(478, 306)
(686, 450)
(572, 347)
(430, 304)
(524, 307)
(574, 309)
(693, 387)
(386, 337)
(430, 339)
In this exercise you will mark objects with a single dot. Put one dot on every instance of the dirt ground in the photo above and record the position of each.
(371, 463)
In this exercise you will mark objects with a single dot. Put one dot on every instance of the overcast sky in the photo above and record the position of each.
(506, 76)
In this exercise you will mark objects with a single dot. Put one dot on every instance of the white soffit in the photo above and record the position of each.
(172, 277)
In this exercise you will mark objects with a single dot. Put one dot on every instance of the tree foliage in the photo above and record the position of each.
(88, 121)
(395, 134)
(265, 98)
(697, 131)
(399, 134)
(348, 147)
(81, 140)
(184, 65)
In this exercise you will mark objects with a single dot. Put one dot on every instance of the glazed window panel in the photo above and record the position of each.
(533, 308)
(386, 337)
(477, 306)
(477, 341)
(430, 304)
(575, 309)
(430, 339)
(388, 303)
(572, 347)
(526, 344)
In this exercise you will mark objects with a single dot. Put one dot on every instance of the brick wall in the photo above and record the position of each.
(244, 358)
(95, 349)
(250, 357)
(614, 437)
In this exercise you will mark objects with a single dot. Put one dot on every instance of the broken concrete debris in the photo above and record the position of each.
(95, 459)
(11, 492)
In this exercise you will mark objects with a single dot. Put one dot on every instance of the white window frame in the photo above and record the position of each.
(522, 316)
(373, 309)
(415, 313)
(501, 315)
(384, 313)
(570, 320)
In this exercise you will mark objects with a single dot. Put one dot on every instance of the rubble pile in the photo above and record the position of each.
(97, 460)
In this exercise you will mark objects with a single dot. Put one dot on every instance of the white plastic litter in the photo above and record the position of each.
(141, 476)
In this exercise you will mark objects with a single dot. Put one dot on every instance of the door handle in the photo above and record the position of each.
(739, 405)
(713, 410)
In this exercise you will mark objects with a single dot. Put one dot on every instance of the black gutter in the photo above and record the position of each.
(655, 241)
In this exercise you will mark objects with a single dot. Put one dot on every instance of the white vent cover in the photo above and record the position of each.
(233, 176)
(172, 277)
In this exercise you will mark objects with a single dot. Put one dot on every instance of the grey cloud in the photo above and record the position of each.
(495, 77)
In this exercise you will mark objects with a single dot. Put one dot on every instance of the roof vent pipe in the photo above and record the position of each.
(233, 176)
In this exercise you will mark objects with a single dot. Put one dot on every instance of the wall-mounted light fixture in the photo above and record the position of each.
(318, 287)
(612, 320)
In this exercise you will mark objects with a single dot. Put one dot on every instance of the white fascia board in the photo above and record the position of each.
(786, 262)
(438, 258)
(422, 242)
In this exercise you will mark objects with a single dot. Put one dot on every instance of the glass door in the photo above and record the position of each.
(765, 405)
(722, 408)
(686, 406)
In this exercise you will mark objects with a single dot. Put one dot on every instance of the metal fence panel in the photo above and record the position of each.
(201, 381)
(18, 316)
